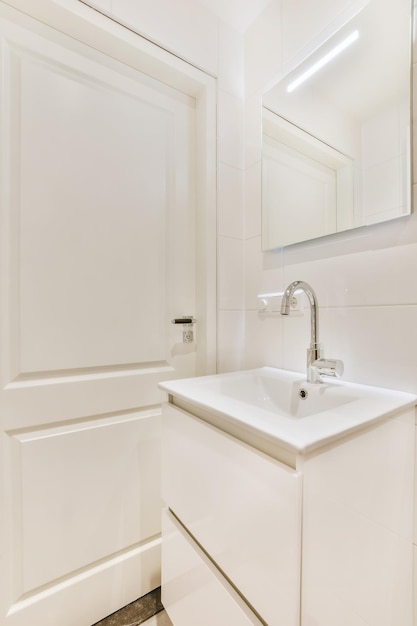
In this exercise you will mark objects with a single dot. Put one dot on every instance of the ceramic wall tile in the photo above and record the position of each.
(382, 346)
(231, 74)
(368, 277)
(261, 278)
(302, 21)
(263, 49)
(230, 341)
(263, 340)
(253, 130)
(253, 200)
(230, 201)
(296, 341)
(255, 279)
(377, 344)
(230, 273)
(183, 27)
(230, 129)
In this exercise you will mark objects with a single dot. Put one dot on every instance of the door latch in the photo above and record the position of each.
(187, 322)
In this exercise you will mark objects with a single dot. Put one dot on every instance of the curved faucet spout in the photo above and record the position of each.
(317, 365)
(314, 308)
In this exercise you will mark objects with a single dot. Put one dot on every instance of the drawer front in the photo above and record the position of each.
(193, 591)
(243, 507)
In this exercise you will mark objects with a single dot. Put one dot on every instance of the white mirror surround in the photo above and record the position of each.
(336, 149)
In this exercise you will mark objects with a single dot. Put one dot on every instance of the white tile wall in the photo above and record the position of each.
(230, 339)
(230, 124)
(230, 279)
(230, 201)
(364, 280)
(230, 73)
(253, 133)
(183, 27)
(302, 20)
(252, 191)
(263, 55)
(230, 196)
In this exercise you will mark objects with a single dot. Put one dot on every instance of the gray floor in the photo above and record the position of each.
(147, 610)
(160, 619)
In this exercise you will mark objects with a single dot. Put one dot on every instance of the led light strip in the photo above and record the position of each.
(323, 61)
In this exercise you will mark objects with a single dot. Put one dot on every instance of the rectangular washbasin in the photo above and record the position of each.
(281, 406)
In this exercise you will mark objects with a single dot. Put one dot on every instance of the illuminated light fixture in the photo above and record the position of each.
(324, 60)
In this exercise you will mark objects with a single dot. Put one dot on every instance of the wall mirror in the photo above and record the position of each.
(336, 128)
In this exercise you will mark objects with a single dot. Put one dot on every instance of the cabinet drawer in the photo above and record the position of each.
(193, 591)
(243, 507)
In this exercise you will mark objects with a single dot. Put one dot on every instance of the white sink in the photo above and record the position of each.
(280, 392)
(281, 406)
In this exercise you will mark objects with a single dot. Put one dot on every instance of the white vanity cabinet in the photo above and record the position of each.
(242, 507)
(194, 590)
(322, 539)
(357, 528)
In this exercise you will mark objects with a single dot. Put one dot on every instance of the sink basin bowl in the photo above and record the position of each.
(280, 392)
(281, 406)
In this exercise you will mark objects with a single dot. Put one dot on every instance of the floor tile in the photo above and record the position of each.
(161, 619)
(136, 613)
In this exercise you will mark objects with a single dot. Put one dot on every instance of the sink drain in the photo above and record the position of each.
(303, 393)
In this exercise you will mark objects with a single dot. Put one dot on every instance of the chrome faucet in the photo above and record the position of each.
(317, 365)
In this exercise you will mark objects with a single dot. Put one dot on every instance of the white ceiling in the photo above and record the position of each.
(238, 13)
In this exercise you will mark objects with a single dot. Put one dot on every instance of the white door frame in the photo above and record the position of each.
(90, 27)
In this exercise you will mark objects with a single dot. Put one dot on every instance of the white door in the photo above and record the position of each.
(97, 257)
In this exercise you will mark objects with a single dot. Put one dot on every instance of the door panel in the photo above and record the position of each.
(95, 182)
(83, 235)
(97, 228)
(87, 499)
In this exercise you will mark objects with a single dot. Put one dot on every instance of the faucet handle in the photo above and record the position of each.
(329, 367)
